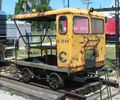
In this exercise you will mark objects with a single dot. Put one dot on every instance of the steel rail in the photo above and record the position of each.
(67, 93)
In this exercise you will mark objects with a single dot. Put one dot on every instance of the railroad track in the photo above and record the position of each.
(69, 93)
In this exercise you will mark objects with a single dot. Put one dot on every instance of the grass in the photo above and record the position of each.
(110, 52)
(35, 52)
(110, 56)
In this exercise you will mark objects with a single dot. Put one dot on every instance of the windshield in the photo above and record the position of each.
(97, 25)
(80, 25)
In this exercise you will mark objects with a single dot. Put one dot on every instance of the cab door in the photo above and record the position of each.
(63, 41)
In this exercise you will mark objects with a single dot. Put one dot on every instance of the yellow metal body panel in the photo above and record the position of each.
(71, 47)
(64, 47)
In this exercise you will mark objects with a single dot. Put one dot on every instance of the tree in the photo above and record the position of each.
(40, 6)
(19, 7)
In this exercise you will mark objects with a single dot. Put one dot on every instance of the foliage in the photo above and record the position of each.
(36, 3)
(19, 6)
(40, 6)
(43, 7)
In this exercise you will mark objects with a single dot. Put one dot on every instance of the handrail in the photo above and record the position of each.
(19, 31)
(88, 40)
(48, 36)
(97, 41)
(25, 35)
(29, 43)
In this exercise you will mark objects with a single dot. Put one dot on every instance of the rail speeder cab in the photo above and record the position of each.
(79, 46)
(80, 37)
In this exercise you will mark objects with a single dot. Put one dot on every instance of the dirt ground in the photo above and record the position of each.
(7, 95)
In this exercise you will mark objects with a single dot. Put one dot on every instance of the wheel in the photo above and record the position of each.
(26, 75)
(55, 81)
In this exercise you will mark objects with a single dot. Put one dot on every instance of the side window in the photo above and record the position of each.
(63, 25)
(80, 25)
(97, 25)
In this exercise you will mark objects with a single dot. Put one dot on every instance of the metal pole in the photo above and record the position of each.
(68, 3)
(117, 33)
(87, 2)
(0, 4)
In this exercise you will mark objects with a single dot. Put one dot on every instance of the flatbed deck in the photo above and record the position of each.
(40, 65)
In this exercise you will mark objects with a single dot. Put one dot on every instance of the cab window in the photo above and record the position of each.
(97, 25)
(63, 25)
(80, 25)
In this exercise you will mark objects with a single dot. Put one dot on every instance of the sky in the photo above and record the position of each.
(9, 5)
